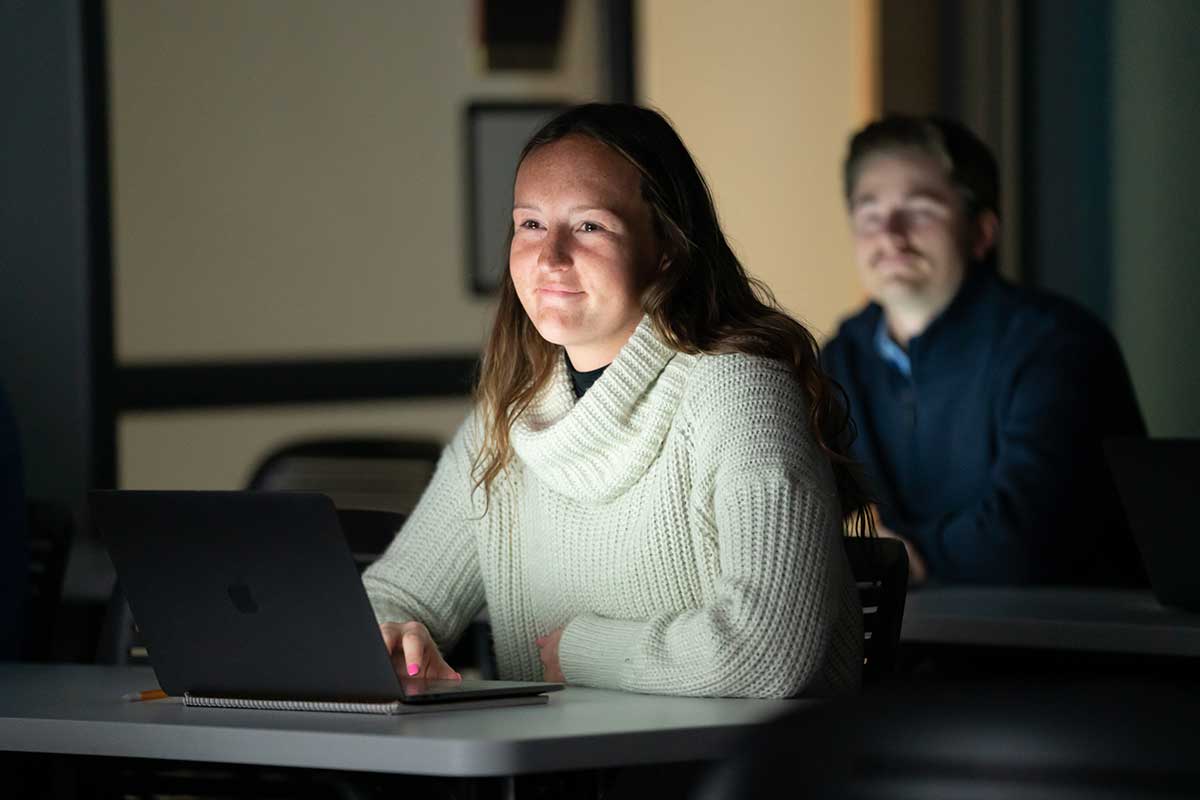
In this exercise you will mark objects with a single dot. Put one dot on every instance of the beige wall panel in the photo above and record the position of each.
(765, 94)
(218, 449)
(288, 175)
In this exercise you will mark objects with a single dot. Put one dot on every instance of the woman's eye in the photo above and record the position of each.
(590, 227)
(530, 225)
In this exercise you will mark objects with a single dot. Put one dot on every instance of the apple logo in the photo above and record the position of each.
(243, 601)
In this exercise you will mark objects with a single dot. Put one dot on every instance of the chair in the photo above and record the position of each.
(384, 474)
(51, 529)
(374, 482)
(880, 569)
(368, 532)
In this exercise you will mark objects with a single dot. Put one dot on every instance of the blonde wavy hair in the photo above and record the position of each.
(703, 301)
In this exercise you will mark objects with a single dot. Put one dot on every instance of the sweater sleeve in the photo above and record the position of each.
(777, 614)
(1049, 492)
(430, 572)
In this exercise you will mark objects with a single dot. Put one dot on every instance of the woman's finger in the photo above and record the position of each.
(413, 645)
(414, 653)
(390, 631)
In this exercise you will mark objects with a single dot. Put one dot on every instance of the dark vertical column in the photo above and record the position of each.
(45, 305)
(620, 50)
(99, 244)
(1066, 149)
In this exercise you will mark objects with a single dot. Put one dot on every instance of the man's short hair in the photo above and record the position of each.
(968, 162)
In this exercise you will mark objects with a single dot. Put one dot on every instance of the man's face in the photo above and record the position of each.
(912, 237)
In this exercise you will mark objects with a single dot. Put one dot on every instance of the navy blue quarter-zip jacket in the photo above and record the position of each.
(988, 458)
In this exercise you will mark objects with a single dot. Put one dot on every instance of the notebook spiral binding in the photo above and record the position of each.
(392, 707)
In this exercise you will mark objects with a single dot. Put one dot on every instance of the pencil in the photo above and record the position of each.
(148, 694)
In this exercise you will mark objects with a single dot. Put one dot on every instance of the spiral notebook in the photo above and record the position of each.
(387, 707)
(252, 600)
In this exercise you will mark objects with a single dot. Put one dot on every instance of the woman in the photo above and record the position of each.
(649, 492)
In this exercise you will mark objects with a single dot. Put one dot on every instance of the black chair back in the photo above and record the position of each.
(384, 474)
(880, 568)
(368, 532)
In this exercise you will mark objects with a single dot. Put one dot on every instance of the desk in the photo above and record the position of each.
(1050, 618)
(77, 710)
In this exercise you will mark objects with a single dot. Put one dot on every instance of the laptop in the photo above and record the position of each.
(1157, 480)
(253, 600)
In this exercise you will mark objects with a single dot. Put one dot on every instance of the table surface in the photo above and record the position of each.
(77, 709)
(1051, 618)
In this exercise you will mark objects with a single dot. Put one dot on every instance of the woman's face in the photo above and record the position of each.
(583, 247)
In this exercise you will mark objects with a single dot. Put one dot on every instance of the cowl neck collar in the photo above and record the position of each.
(595, 448)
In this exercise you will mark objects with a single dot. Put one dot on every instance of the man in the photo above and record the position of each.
(980, 407)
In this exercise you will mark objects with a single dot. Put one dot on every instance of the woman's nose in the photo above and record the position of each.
(555, 252)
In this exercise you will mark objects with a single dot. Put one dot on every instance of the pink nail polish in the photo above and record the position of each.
(413, 669)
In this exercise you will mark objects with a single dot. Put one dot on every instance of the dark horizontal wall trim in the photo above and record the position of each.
(206, 385)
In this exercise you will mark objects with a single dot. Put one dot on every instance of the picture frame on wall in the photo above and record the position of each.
(495, 132)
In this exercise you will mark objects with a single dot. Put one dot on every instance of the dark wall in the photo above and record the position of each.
(45, 241)
(1067, 102)
(1112, 116)
(1093, 107)
(962, 59)
(1155, 232)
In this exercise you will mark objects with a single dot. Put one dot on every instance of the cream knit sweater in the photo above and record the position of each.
(678, 519)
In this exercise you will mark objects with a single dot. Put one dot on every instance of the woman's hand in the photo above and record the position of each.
(414, 653)
(548, 645)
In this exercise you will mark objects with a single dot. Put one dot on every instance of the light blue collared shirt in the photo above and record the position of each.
(890, 351)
